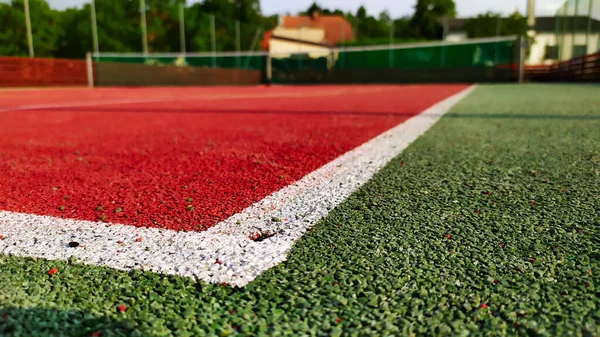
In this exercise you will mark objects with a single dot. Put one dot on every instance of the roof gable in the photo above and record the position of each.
(336, 27)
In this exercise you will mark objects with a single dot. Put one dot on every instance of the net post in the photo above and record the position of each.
(521, 59)
(90, 69)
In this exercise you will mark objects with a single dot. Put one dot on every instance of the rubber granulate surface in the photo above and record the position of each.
(184, 164)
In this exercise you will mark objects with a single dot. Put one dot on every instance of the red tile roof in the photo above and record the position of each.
(336, 27)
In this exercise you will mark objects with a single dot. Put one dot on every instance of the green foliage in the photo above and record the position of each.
(67, 33)
(492, 24)
(45, 28)
(425, 23)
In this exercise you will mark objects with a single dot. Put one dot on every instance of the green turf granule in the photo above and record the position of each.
(489, 225)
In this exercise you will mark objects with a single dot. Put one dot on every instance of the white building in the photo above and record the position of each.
(548, 47)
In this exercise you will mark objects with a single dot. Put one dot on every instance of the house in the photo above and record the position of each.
(315, 35)
(546, 48)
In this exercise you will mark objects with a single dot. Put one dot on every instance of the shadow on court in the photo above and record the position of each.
(54, 322)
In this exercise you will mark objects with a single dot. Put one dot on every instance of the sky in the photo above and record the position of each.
(397, 8)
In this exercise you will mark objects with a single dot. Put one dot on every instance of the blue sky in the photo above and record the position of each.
(374, 7)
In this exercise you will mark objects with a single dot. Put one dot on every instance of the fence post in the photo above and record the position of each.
(341, 45)
(253, 47)
(497, 44)
(213, 39)
(182, 29)
(238, 43)
(391, 54)
(28, 27)
(574, 35)
(90, 69)
(143, 26)
(94, 26)
(564, 25)
(521, 59)
(444, 37)
(589, 27)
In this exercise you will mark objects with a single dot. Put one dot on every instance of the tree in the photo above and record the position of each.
(315, 8)
(369, 27)
(44, 28)
(425, 23)
(492, 24)
(76, 39)
(402, 27)
(226, 12)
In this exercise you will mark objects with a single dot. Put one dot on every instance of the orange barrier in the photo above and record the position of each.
(40, 72)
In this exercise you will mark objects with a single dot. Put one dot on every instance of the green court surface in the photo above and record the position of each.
(489, 224)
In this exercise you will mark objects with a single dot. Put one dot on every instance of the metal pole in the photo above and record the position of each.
(238, 43)
(564, 25)
(181, 29)
(213, 40)
(143, 26)
(589, 27)
(300, 37)
(521, 59)
(391, 53)
(94, 26)
(28, 26)
(445, 31)
(253, 46)
(574, 28)
(255, 39)
(444, 28)
(496, 50)
(342, 38)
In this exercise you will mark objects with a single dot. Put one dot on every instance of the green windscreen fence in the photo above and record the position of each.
(472, 61)
(484, 60)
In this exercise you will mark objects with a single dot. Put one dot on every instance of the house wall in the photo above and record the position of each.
(315, 35)
(537, 53)
(567, 41)
(282, 49)
(456, 37)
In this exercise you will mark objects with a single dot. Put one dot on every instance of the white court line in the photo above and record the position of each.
(79, 104)
(223, 253)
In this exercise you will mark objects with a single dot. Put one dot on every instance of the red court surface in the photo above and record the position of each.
(182, 158)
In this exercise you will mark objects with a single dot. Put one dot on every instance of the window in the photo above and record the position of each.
(551, 53)
(579, 50)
